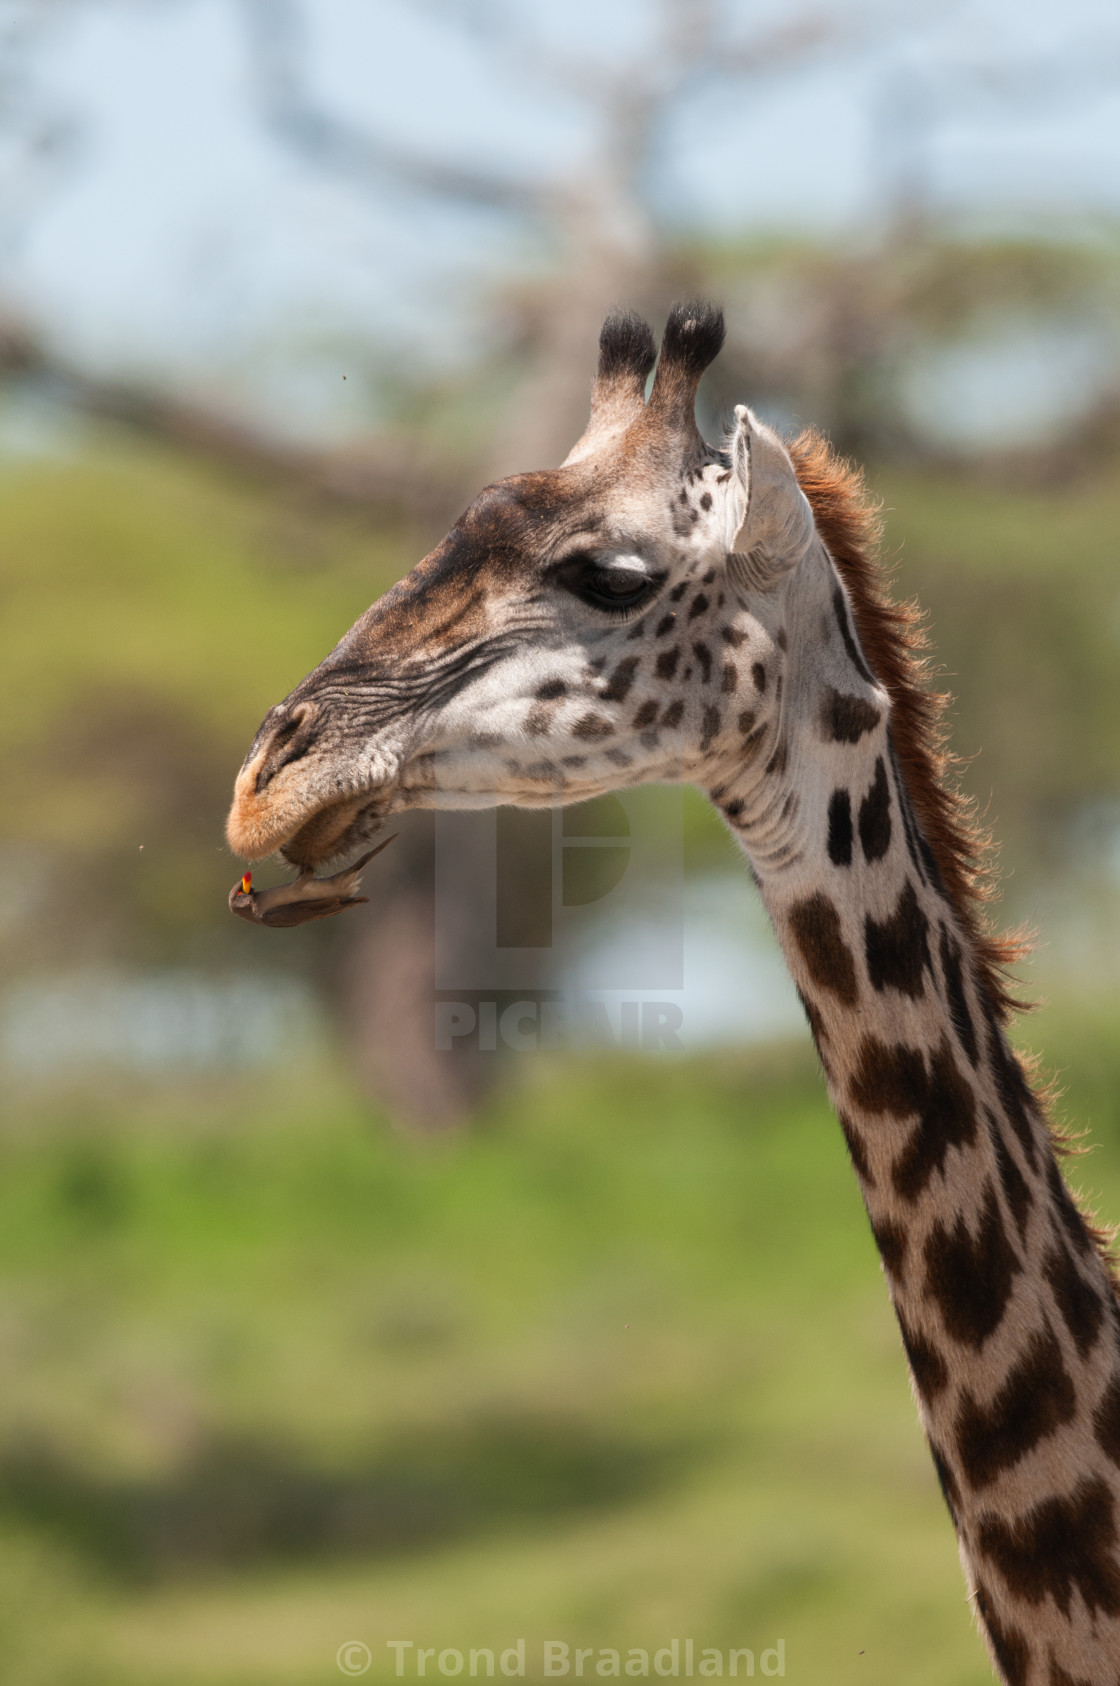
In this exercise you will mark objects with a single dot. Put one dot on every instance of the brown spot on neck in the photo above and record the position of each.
(846, 719)
(815, 926)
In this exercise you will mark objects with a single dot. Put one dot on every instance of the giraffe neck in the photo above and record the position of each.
(1005, 1305)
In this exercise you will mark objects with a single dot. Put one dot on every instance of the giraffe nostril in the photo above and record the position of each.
(292, 737)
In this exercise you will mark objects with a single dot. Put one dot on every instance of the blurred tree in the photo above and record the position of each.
(817, 333)
(596, 217)
(39, 139)
(598, 223)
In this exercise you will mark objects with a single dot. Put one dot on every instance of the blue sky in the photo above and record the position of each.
(180, 236)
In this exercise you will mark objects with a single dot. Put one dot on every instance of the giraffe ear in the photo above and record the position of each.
(774, 520)
(626, 356)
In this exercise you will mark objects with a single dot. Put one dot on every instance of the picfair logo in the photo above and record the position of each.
(532, 899)
(550, 861)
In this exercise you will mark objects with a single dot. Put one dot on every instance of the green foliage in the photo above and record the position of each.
(1020, 586)
(152, 612)
(127, 573)
(617, 1366)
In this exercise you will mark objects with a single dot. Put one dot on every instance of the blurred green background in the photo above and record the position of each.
(310, 1335)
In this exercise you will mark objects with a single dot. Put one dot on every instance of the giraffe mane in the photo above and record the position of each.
(894, 639)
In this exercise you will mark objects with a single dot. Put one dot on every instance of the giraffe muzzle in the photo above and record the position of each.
(288, 796)
(273, 797)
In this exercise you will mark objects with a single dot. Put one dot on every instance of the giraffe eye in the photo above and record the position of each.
(607, 585)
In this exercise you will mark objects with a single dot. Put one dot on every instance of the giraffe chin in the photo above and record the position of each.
(335, 831)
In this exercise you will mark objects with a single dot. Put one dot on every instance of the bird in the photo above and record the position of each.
(306, 897)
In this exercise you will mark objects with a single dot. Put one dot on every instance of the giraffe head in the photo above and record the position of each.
(613, 621)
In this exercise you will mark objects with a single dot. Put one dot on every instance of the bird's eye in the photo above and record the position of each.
(607, 584)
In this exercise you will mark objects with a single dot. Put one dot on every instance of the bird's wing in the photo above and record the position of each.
(298, 913)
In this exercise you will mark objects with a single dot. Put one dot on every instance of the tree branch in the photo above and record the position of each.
(329, 141)
(397, 476)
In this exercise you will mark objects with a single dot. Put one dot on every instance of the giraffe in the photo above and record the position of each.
(661, 608)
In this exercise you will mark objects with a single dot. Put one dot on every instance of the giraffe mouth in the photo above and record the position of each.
(287, 814)
(310, 838)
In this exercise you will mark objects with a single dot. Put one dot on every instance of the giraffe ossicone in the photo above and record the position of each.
(659, 608)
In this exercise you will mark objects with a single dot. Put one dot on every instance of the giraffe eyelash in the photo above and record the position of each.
(587, 578)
